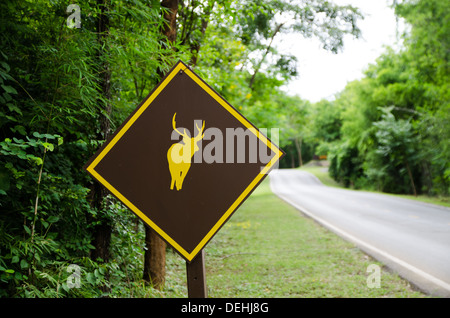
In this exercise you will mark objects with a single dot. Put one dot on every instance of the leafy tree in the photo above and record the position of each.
(395, 156)
(49, 105)
(428, 55)
(345, 163)
(407, 150)
(259, 22)
(326, 124)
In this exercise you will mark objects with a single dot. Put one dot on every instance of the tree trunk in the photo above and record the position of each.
(102, 232)
(298, 146)
(169, 29)
(413, 186)
(101, 242)
(154, 259)
(195, 46)
(427, 176)
(155, 251)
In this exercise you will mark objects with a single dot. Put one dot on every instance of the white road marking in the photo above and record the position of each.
(366, 245)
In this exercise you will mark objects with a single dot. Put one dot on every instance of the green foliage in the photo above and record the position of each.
(49, 126)
(389, 165)
(345, 165)
(395, 133)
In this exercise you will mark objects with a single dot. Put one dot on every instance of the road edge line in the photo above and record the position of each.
(366, 245)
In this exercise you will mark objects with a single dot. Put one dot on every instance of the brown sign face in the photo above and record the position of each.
(184, 161)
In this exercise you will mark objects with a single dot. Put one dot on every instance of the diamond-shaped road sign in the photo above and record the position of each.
(184, 161)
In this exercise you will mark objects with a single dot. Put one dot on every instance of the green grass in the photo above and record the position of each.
(268, 249)
(322, 174)
(440, 200)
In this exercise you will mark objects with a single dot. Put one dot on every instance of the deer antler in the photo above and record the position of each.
(200, 131)
(174, 125)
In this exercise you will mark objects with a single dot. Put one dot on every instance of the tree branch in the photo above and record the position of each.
(258, 67)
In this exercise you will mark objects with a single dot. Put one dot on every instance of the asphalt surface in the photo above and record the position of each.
(410, 237)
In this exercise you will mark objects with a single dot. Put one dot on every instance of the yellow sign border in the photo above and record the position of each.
(180, 66)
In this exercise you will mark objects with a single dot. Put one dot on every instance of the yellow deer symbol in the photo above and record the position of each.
(180, 155)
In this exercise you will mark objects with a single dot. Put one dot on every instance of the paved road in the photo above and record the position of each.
(412, 238)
